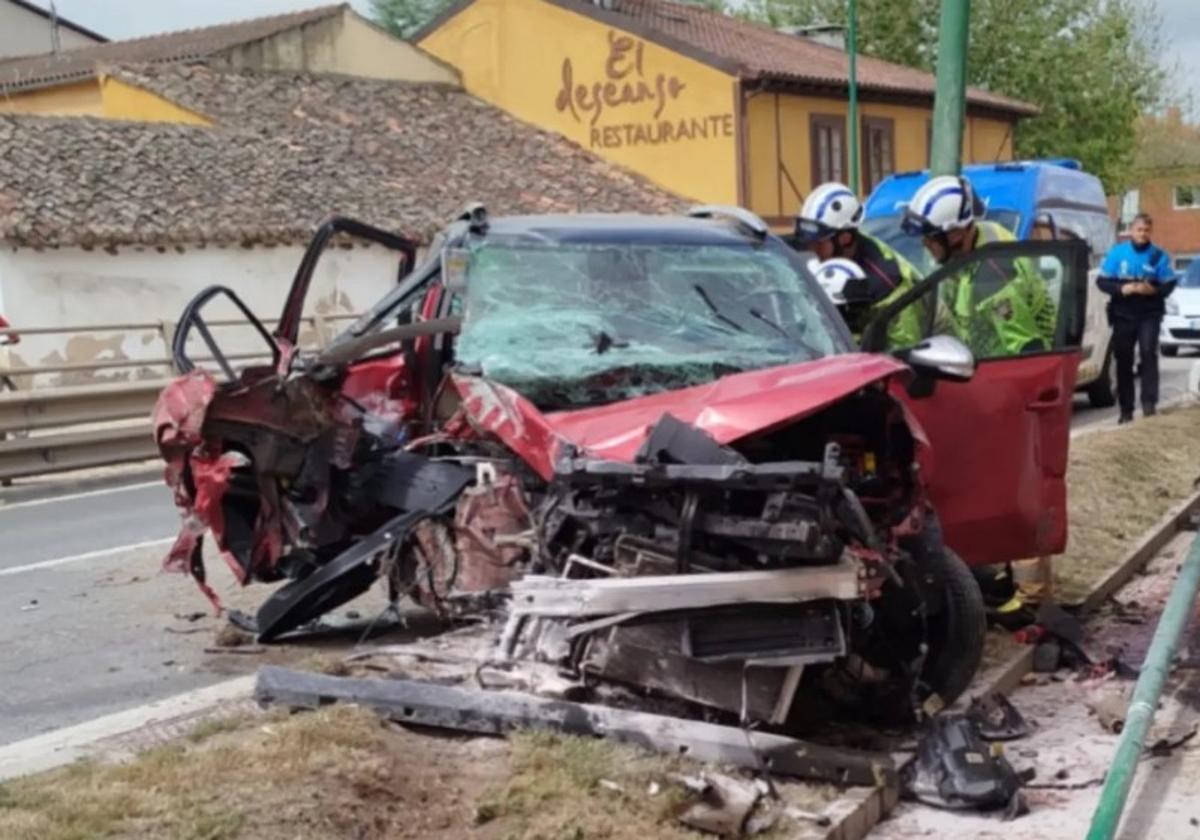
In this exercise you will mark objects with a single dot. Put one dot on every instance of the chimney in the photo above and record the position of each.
(828, 34)
(55, 42)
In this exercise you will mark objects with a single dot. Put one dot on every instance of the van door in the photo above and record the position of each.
(999, 442)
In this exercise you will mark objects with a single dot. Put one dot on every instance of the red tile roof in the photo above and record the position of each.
(285, 150)
(754, 52)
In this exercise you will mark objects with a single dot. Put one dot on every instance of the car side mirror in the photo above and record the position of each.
(942, 357)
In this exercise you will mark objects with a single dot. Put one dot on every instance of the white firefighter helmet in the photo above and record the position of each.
(833, 275)
(943, 204)
(829, 209)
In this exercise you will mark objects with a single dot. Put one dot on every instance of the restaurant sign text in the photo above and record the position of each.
(605, 101)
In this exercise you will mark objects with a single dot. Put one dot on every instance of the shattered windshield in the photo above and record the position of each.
(587, 323)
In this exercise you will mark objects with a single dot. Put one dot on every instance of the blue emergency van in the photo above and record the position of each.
(1035, 199)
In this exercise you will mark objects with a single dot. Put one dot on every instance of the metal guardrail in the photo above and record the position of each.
(28, 411)
(60, 429)
(43, 454)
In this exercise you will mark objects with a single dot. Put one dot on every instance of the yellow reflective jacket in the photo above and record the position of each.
(1020, 317)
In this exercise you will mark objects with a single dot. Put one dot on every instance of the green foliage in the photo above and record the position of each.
(404, 17)
(1089, 65)
(712, 5)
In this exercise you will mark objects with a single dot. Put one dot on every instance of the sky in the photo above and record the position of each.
(1180, 44)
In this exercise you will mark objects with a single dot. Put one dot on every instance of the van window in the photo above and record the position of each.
(1096, 228)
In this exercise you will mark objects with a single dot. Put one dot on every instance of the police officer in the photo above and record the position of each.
(828, 225)
(1138, 276)
(1019, 316)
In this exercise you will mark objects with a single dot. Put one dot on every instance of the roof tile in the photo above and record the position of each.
(279, 159)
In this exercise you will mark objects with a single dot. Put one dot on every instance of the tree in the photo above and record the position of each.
(1089, 65)
(404, 17)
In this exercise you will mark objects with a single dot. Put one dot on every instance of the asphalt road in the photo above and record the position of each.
(1173, 384)
(84, 523)
(89, 625)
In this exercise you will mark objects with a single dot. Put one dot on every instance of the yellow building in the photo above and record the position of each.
(709, 107)
(329, 39)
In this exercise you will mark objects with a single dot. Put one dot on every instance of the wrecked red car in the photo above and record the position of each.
(649, 443)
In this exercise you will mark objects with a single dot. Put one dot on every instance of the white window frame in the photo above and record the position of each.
(1195, 188)
(1130, 206)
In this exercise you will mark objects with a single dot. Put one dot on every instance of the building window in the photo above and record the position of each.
(1131, 204)
(878, 151)
(1184, 261)
(1187, 197)
(828, 148)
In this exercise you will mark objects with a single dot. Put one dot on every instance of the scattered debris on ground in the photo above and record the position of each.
(1173, 725)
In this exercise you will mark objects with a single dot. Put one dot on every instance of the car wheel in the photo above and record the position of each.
(871, 682)
(1103, 392)
(1170, 350)
(956, 633)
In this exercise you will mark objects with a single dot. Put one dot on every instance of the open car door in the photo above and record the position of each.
(280, 345)
(999, 440)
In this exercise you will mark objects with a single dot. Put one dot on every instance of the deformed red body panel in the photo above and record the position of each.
(728, 409)
(178, 419)
(998, 477)
(499, 411)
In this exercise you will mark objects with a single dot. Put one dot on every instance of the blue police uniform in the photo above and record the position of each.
(1136, 318)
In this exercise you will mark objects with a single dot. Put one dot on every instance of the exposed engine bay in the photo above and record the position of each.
(717, 574)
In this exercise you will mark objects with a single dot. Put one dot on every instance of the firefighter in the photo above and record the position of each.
(998, 308)
(828, 225)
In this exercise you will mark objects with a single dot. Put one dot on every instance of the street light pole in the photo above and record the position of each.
(950, 101)
(852, 48)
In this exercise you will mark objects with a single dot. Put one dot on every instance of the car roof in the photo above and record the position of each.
(620, 227)
(1020, 185)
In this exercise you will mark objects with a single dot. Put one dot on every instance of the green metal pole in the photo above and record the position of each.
(852, 48)
(1157, 666)
(950, 102)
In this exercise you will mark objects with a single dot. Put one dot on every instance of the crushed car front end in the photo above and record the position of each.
(646, 442)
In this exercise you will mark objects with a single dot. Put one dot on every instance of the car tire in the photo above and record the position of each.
(867, 685)
(956, 633)
(1170, 350)
(1103, 392)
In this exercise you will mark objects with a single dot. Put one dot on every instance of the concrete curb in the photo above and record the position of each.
(1173, 404)
(168, 716)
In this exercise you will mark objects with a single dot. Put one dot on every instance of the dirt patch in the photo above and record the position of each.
(335, 773)
(342, 773)
(1119, 484)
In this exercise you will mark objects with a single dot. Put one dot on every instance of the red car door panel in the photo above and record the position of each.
(1000, 441)
(999, 457)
